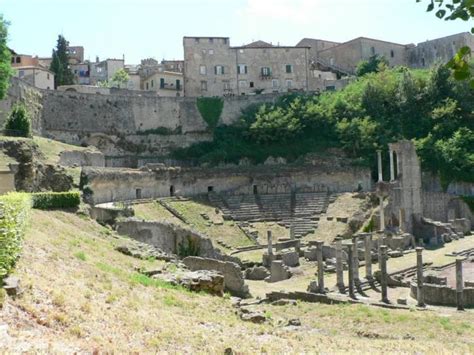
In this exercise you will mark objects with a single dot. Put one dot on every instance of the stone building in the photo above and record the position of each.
(427, 53)
(165, 83)
(28, 68)
(104, 70)
(214, 68)
(344, 57)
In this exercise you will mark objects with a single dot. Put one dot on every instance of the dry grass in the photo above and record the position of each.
(81, 295)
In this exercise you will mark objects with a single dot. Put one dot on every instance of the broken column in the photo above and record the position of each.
(459, 284)
(339, 266)
(379, 164)
(392, 165)
(319, 256)
(368, 257)
(382, 214)
(350, 262)
(269, 243)
(278, 272)
(383, 273)
(355, 261)
(292, 229)
(419, 277)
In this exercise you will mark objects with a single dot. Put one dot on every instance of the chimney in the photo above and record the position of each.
(97, 59)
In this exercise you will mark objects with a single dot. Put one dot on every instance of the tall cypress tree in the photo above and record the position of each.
(60, 64)
(5, 59)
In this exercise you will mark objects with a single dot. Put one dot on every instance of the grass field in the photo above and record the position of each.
(81, 295)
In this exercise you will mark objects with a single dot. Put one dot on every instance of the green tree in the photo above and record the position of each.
(120, 78)
(450, 10)
(60, 64)
(375, 64)
(5, 59)
(18, 123)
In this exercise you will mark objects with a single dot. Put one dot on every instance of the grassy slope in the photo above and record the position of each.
(82, 295)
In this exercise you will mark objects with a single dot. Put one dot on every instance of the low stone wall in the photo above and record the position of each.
(168, 237)
(107, 185)
(82, 158)
(233, 278)
(441, 295)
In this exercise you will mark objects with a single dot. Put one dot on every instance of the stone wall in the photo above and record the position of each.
(81, 158)
(444, 207)
(442, 295)
(168, 237)
(106, 185)
(20, 91)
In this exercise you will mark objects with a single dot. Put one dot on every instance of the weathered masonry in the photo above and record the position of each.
(107, 185)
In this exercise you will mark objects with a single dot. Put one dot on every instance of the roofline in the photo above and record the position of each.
(34, 67)
(217, 37)
(453, 35)
(360, 38)
(319, 39)
(272, 47)
(165, 71)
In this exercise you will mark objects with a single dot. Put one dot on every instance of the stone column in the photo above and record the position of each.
(298, 247)
(292, 229)
(382, 214)
(350, 262)
(383, 273)
(392, 166)
(419, 277)
(379, 164)
(355, 261)
(319, 257)
(270, 242)
(368, 258)
(459, 284)
(339, 266)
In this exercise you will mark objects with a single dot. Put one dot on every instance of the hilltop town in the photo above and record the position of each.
(254, 198)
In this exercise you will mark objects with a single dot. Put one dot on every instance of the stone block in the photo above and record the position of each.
(267, 259)
(203, 281)
(11, 285)
(278, 272)
(257, 273)
(290, 258)
(233, 277)
(310, 254)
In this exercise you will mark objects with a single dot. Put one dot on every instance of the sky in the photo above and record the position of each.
(154, 28)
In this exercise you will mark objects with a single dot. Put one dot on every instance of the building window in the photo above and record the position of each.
(252, 84)
(178, 84)
(147, 87)
(242, 83)
(372, 50)
(226, 85)
(266, 71)
(47, 76)
(289, 69)
(162, 83)
(392, 53)
(289, 84)
(202, 70)
(203, 85)
(241, 69)
(211, 51)
(219, 70)
(225, 41)
(152, 83)
(18, 59)
(275, 83)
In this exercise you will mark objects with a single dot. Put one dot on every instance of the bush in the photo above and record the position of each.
(14, 217)
(51, 200)
(210, 109)
(18, 122)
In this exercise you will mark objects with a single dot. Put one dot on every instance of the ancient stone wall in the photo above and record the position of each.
(106, 185)
(444, 207)
(20, 91)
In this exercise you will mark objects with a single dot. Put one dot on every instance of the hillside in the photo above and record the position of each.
(81, 295)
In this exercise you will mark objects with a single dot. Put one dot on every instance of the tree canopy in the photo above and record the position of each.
(374, 64)
(120, 78)
(60, 64)
(5, 59)
(429, 107)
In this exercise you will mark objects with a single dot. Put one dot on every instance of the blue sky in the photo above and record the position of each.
(154, 28)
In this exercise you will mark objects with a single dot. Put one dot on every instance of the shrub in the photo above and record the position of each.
(210, 109)
(14, 217)
(18, 122)
(51, 200)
